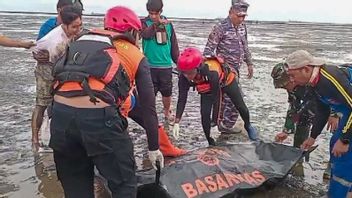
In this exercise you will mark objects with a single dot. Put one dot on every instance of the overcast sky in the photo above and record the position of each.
(337, 11)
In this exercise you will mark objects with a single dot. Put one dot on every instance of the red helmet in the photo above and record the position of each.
(122, 19)
(189, 59)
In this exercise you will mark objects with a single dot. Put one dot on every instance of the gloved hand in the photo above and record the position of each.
(156, 156)
(176, 130)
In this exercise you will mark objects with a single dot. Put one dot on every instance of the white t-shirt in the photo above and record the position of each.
(56, 42)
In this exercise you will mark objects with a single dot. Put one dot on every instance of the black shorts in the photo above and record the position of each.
(162, 81)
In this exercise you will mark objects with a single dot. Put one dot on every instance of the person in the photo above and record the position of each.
(55, 43)
(228, 40)
(87, 128)
(301, 113)
(160, 46)
(42, 56)
(53, 22)
(7, 42)
(131, 108)
(211, 79)
(332, 84)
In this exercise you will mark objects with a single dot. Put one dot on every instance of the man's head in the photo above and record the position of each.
(155, 7)
(281, 77)
(188, 62)
(71, 17)
(62, 3)
(300, 66)
(238, 11)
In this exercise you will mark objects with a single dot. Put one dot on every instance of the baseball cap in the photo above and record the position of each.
(301, 58)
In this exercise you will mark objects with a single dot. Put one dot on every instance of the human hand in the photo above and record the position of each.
(155, 156)
(339, 148)
(333, 122)
(163, 21)
(308, 143)
(42, 56)
(280, 137)
(27, 44)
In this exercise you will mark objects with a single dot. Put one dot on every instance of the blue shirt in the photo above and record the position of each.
(50, 24)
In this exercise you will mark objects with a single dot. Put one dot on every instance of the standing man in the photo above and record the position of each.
(161, 48)
(228, 40)
(55, 43)
(332, 84)
(44, 65)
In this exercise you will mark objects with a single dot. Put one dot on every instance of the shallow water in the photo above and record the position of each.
(24, 174)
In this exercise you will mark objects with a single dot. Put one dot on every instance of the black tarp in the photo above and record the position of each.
(220, 170)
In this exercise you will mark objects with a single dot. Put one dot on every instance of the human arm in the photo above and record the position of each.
(175, 52)
(7, 42)
(148, 32)
(146, 93)
(183, 87)
(213, 41)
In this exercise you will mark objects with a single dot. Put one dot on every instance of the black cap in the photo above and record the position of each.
(155, 5)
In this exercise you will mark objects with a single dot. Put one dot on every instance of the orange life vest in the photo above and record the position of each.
(202, 84)
(98, 64)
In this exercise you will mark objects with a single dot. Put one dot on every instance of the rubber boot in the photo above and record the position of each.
(166, 147)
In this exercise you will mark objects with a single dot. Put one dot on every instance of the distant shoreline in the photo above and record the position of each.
(185, 18)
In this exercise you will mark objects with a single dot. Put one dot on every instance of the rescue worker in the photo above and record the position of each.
(332, 85)
(211, 79)
(87, 128)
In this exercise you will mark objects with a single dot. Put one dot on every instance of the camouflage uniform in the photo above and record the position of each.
(231, 44)
(300, 113)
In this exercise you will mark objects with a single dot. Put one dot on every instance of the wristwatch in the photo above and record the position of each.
(345, 141)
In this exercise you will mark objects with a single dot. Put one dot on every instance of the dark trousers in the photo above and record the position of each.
(207, 101)
(84, 138)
